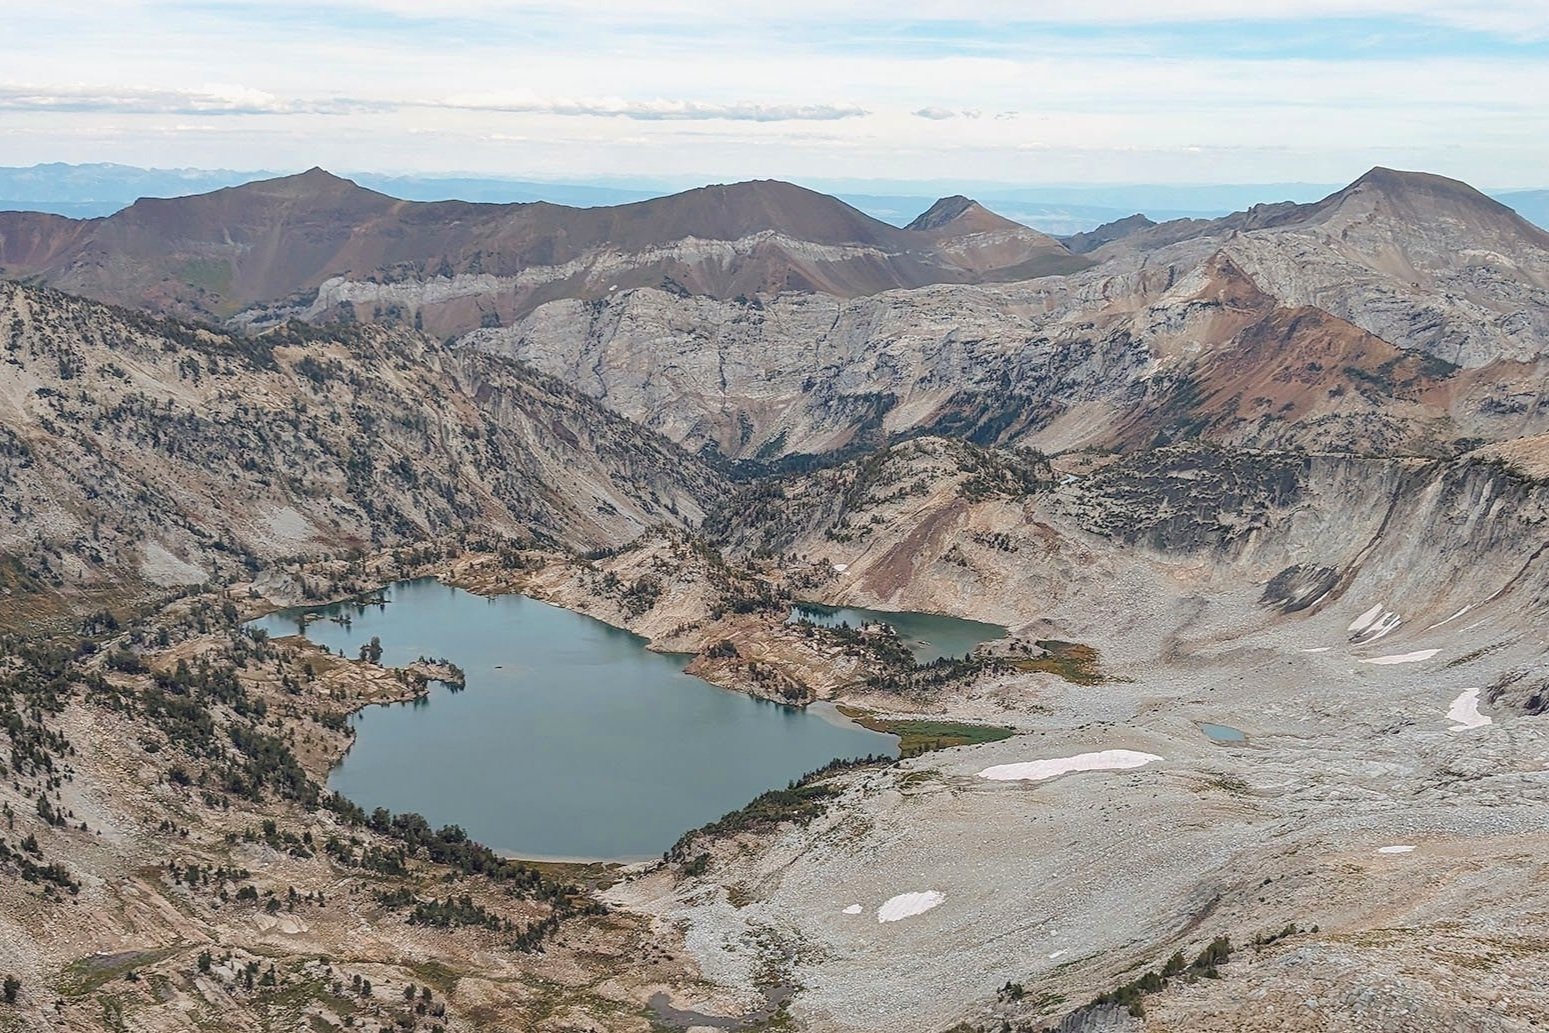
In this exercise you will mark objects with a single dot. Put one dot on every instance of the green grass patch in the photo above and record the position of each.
(591, 874)
(89, 974)
(1074, 662)
(440, 978)
(210, 274)
(922, 736)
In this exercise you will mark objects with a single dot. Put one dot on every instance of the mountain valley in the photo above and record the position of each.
(1259, 500)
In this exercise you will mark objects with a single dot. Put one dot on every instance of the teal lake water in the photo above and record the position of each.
(571, 739)
(928, 636)
(1222, 733)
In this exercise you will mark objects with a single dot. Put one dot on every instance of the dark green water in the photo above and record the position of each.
(571, 740)
(928, 636)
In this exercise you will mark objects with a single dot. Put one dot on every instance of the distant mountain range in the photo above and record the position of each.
(766, 321)
(286, 247)
(94, 190)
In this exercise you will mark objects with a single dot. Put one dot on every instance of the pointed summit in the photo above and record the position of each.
(942, 212)
(314, 182)
(962, 215)
(991, 245)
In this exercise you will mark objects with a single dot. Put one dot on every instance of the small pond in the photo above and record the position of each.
(571, 739)
(928, 635)
(1222, 733)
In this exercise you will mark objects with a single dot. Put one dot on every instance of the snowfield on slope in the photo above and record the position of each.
(907, 905)
(1416, 657)
(1038, 770)
(1464, 712)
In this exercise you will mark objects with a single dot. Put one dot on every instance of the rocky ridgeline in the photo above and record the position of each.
(165, 454)
(1399, 315)
(1327, 326)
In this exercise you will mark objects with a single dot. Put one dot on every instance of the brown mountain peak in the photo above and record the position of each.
(727, 211)
(1397, 182)
(946, 211)
(959, 215)
(1412, 199)
(314, 182)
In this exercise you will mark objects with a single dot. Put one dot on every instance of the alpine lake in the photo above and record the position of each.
(569, 739)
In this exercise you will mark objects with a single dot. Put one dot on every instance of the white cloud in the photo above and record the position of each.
(1504, 16)
(574, 88)
(938, 114)
(239, 100)
(141, 100)
(659, 110)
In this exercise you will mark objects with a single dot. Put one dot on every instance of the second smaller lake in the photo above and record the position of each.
(929, 636)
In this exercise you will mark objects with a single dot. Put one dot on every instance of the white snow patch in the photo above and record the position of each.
(1318, 649)
(1404, 658)
(907, 905)
(1038, 770)
(854, 909)
(1404, 848)
(840, 568)
(1360, 623)
(1383, 626)
(1057, 954)
(1454, 617)
(1464, 712)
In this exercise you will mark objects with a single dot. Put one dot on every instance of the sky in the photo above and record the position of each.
(1013, 91)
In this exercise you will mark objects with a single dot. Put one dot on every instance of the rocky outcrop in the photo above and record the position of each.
(158, 453)
(1396, 316)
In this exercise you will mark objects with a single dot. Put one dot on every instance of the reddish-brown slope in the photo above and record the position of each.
(217, 253)
(1273, 366)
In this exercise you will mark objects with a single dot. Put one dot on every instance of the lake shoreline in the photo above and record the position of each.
(536, 723)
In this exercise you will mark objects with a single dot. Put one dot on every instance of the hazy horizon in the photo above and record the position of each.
(1120, 91)
(90, 190)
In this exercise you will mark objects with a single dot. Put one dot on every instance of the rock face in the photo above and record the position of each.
(152, 451)
(1425, 263)
(1107, 233)
(320, 247)
(1404, 313)
(936, 524)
